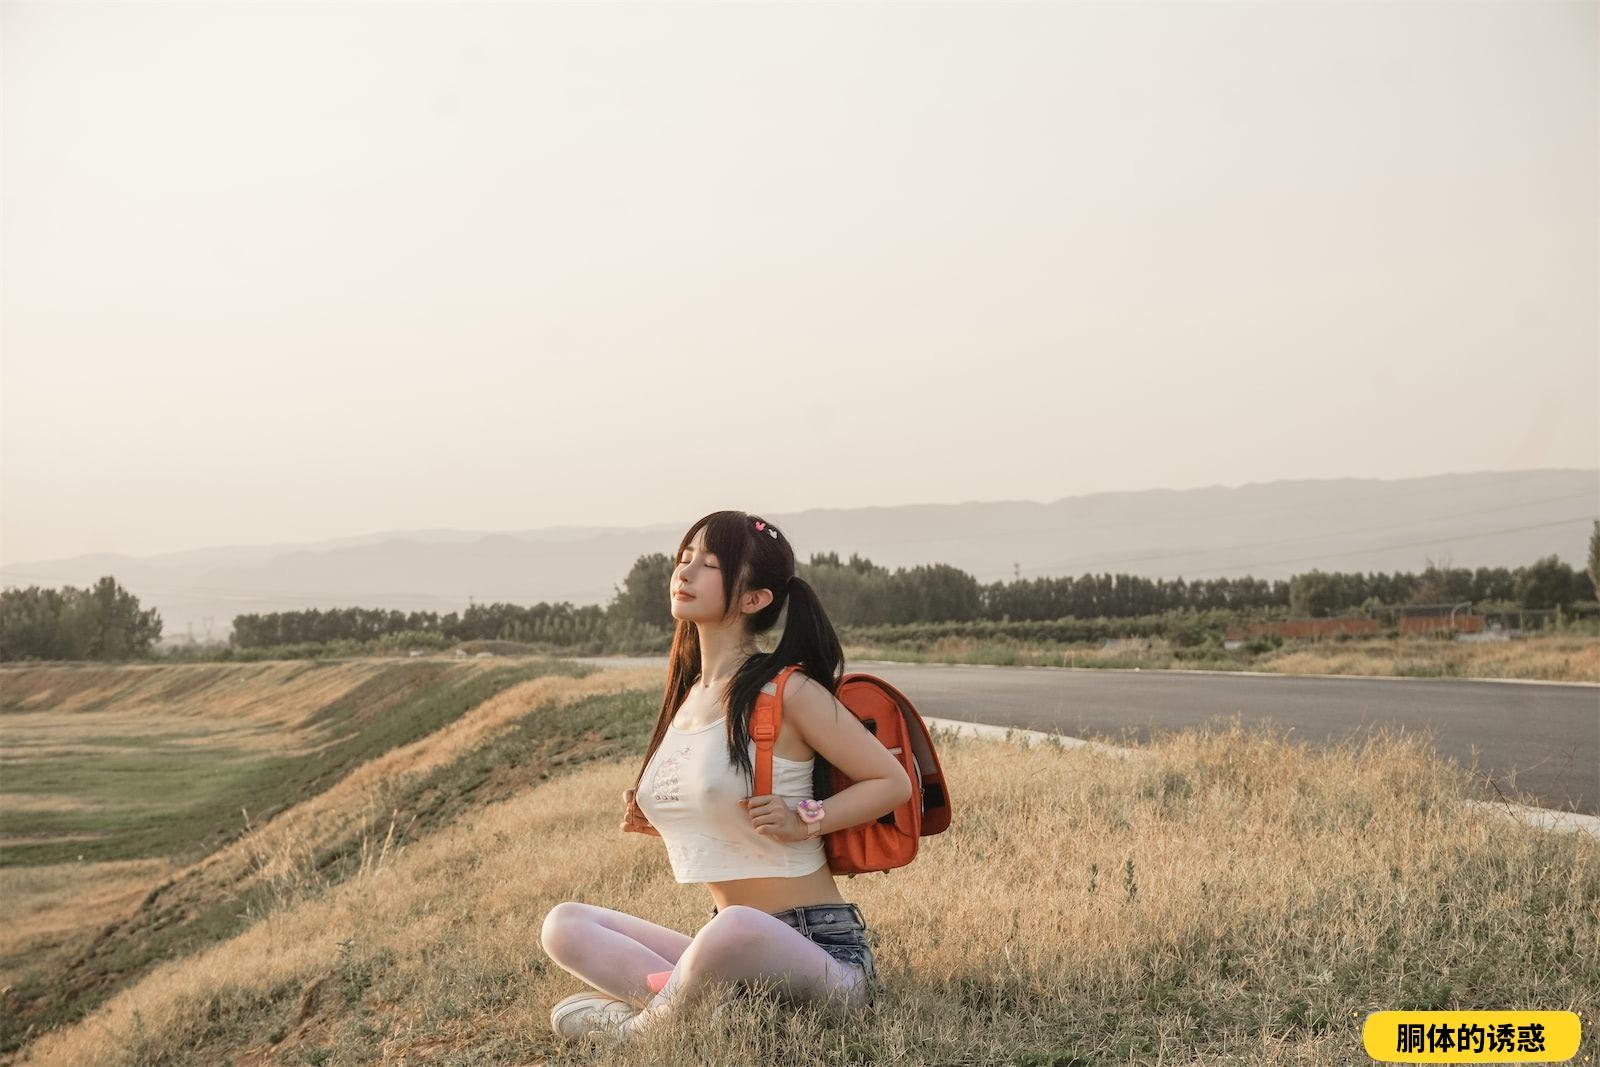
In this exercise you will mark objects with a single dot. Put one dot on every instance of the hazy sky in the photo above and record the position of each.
(283, 271)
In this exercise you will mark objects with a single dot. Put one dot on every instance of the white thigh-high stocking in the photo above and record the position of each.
(610, 950)
(748, 944)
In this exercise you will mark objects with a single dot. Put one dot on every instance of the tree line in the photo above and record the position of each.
(556, 624)
(859, 593)
(1548, 583)
(105, 622)
(102, 622)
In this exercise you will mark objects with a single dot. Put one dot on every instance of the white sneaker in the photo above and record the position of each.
(590, 1014)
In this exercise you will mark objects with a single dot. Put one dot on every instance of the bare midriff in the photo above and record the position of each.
(773, 895)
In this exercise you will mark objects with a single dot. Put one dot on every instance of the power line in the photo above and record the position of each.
(1411, 544)
(212, 593)
(234, 593)
(875, 543)
(1310, 537)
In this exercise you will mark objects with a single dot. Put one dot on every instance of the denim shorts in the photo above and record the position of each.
(840, 931)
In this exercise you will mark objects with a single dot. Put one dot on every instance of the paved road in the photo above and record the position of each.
(1540, 740)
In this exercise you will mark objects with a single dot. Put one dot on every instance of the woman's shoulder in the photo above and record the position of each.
(794, 685)
(798, 679)
(801, 690)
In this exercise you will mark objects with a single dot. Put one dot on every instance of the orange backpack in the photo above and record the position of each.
(890, 841)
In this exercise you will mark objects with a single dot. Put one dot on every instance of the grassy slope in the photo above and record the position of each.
(165, 796)
(397, 709)
(1234, 898)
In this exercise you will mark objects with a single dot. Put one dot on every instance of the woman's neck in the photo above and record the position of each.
(717, 667)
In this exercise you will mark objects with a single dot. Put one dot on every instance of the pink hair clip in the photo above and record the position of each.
(763, 526)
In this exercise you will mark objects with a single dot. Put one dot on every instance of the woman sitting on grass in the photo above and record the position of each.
(777, 918)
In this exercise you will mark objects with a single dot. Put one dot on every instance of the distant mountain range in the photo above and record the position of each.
(1269, 530)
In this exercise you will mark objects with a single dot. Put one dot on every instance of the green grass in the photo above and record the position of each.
(172, 923)
(183, 801)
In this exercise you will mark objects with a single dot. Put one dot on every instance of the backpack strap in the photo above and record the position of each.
(765, 723)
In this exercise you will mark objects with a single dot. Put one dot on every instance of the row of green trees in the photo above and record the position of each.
(102, 622)
(859, 593)
(1548, 583)
(105, 622)
(556, 624)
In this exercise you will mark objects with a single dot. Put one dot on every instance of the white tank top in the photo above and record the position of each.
(690, 792)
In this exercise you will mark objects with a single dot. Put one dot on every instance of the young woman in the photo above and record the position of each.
(777, 916)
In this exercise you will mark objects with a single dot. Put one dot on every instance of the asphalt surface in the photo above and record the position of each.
(1538, 742)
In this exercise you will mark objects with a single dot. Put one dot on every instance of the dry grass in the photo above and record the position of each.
(245, 707)
(61, 915)
(283, 850)
(12, 804)
(1234, 899)
(46, 906)
(1551, 658)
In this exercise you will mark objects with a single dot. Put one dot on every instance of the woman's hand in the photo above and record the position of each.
(772, 818)
(627, 800)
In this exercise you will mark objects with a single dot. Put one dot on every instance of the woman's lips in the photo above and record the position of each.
(683, 596)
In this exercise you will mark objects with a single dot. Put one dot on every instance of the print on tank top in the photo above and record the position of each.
(666, 784)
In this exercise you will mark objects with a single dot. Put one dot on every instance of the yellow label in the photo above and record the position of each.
(1471, 1036)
